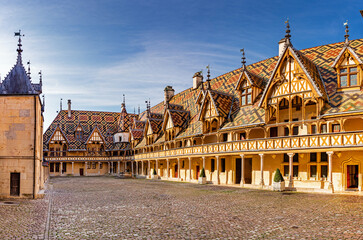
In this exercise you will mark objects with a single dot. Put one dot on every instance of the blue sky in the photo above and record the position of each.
(94, 51)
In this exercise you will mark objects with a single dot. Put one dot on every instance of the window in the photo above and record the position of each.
(286, 131)
(295, 158)
(273, 132)
(286, 158)
(64, 168)
(51, 167)
(246, 95)
(313, 157)
(324, 171)
(313, 129)
(79, 135)
(286, 170)
(93, 165)
(295, 171)
(100, 165)
(336, 127)
(313, 171)
(225, 137)
(223, 164)
(323, 157)
(57, 167)
(295, 130)
(242, 136)
(324, 128)
(212, 165)
(348, 76)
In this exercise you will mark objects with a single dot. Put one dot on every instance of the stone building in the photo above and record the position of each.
(21, 134)
(300, 111)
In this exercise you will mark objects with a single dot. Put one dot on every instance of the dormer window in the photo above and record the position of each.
(79, 135)
(246, 95)
(348, 76)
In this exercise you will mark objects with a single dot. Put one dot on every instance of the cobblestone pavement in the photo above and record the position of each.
(109, 208)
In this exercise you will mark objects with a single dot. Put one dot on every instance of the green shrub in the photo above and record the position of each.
(278, 176)
(154, 172)
(202, 173)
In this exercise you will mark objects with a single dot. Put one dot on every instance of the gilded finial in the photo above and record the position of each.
(346, 36)
(243, 58)
(287, 36)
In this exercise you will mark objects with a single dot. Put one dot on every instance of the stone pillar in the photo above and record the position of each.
(118, 167)
(72, 168)
(242, 170)
(125, 166)
(261, 159)
(111, 166)
(142, 168)
(291, 169)
(217, 157)
(137, 168)
(61, 169)
(203, 162)
(167, 168)
(190, 169)
(99, 168)
(178, 169)
(108, 167)
(148, 167)
(330, 169)
(85, 168)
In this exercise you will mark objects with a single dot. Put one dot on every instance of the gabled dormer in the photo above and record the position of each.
(174, 121)
(79, 132)
(294, 84)
(152, 130)
(58, 143)
(349, 67)
(215, 109)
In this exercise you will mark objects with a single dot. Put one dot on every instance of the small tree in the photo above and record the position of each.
(154, 172)
(202, 173)
(278, 176)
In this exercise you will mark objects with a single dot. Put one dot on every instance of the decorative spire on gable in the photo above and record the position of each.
(287, 36)
(346, 36)
(243, 58)
(28, 63)
(19, 50)
(208, 77)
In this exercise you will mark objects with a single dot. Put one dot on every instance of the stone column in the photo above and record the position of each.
(178, 169)
(111, 166)
(167, 168)
(99, 168)
(242, 170)
(137, 168)
(217, 157)
(61, 169)
(291, 169)
(330, 167)
(108, 167)
(142, 168)
(85, 168)
(203, 162)
(118, 167)
(72, 168)
(148, 167)
(125, 166)
(261, 159)
(190, 169)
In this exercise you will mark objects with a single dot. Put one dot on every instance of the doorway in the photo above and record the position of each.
(176, 170)
(352, 176)
(81, 171)
(14, 184)
(248, 170)
(238, 171)
(197, 172)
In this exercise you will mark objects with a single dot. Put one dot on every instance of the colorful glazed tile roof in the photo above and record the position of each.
(105, 122)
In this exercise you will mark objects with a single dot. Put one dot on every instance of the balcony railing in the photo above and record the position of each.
(297, 142)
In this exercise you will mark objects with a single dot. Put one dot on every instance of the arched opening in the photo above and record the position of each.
(214, 125)
(310, 110)
(283, 110)
(296, 104)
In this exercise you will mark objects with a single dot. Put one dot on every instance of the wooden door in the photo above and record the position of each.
(238, 171)
(14, 184)
(248, 170)
(81, 171)
(352, 176)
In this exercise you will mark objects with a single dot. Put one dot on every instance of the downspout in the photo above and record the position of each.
(35, 142)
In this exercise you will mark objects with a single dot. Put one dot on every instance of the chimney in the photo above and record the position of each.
(197, 79)
(69, 109)
(282, 44)
(169, 93)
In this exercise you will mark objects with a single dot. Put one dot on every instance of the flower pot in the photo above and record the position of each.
(154, 177)
(278, 186)
(202, 180)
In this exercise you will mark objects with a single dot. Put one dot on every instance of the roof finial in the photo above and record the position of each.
(29, 70)
(208, 77)
(60, 104)
(43, 105)
(346, 32)
(19, 50)
(243, 58)
(123, 101)
(148, 108)
(138, 109)
(287, 36)
(40, 78)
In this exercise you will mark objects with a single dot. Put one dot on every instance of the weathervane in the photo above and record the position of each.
(346, 32)
(18, 34)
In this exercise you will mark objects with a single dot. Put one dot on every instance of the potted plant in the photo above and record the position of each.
(202, 179)
(155, 176)
(279, 182)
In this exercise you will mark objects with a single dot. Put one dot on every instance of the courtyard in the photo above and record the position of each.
(110, 208)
